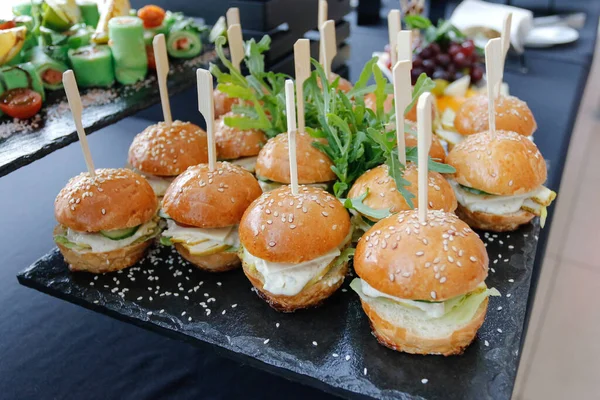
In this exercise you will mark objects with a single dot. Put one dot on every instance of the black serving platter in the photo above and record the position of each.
(23, 142)
(329, 347)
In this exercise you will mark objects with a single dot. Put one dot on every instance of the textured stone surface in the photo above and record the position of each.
(328, 347)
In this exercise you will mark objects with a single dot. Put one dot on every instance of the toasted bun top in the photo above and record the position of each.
(113, 199)
(233, 144)
(436, 151)
(435, 261)
(512, 114)
(384, 194)
(207, 199)
(223, 103)
(163, 151)
(273, 161)
(503, 164)
(281, 227)
(388, 105)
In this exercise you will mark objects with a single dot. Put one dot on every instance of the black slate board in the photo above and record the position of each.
(53, 127)
(330, 347)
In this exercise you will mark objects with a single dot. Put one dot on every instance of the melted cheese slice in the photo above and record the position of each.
(101, 244)
(432, 310)
(191, 236)
(289, 279)
(248, 163)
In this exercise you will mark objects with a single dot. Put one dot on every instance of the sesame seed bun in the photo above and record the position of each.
(512, 114)
(387, 326)
(388, 106)
(384, 194)
(311, 296)
(108, 261)
(218, 262)
(163, 151)
(223, 103)
(494, 222)
(436, 151)
(206, 199)
(273, 161)
(504, 164)
(401, 257)
(233, 144)
(281, 227)
(113, 199)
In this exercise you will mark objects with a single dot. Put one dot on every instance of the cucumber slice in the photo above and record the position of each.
(118, 234)
(219, 28)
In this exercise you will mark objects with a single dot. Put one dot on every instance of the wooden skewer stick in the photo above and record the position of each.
(233, 16)
(162, 72)
(204, 80)
(393, 29)
(402, 98)
(236, 45)
(321, 19)
(302, 64)
(290, 108)
(493, 66)
(76, 109)
(328, 46)
(424, 143)
(505, 43)
(404, 46)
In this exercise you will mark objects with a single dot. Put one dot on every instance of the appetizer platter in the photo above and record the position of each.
(110, 51)
(316, 228)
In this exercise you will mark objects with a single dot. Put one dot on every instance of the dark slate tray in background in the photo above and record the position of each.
(53, 128)
(330, 347)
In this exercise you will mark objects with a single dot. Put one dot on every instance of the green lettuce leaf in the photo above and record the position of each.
(358, 205)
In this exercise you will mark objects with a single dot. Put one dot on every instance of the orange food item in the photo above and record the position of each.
(152, 16)
(7, 25)
(453, 102)
(20, 103)
(150, 56)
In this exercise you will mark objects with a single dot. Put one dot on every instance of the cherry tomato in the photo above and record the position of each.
(7, 25)
(152, 16)
(20, 103)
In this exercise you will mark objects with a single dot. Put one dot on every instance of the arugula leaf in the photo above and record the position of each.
(166, 241)
(475, 191)
(345, 256)
(423, 84)
(417, 22)
(412, 154)
(358, 205)
(396, 171)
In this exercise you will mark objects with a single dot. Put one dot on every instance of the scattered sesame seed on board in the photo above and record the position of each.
(424, 381)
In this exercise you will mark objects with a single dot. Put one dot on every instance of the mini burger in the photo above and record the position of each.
(223, 103)
(105, 222)
(236, 146)
(273, 163)
(160, 153)
(203, 210)
(388, 106)
(472, 117)
(293, 246)
(499, 181)
(422, 283)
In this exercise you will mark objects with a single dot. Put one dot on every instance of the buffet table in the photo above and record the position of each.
(52, 349)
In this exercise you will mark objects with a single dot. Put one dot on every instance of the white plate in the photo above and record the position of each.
(546, 36)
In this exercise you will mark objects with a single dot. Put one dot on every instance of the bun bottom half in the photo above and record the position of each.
(109, 261)
(218, 262)
(311, 296)
(401, 339)
(494, 222)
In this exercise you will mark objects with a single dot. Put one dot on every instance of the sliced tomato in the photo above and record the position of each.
(21, 103)
(182, 44)
(150, 56)
(52, 76)
(7, 25)
(152, 16)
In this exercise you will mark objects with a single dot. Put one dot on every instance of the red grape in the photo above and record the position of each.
(435, 48)
(468, 47)
(442, 59)
(417, 61)
(454, 49)
(441, 74)
(461, 61)
(414, 74)
(428, 66)
(426, 53)
(476, 73)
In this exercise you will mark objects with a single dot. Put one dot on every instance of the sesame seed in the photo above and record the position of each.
(335, 355)
(314, 343)
(433, 294)
(424, 381)
(499, 330)
(443, 279)
(365, 371)
(487, 344)
(474, 259)
(266, 341)
(347, 358)
(272, 244)
(419, 253)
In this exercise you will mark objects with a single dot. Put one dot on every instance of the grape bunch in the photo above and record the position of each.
(449, 62)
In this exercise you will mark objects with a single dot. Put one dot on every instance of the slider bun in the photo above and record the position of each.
(494, 222)
(384, 194)
(436, 151)
(163, 151)
(233, 144)
(395, 329)
(273, 161)
(398, 256)
(108, 261)
(218, 262)
(223, 103)
(281, 227)
(512, 114)
(388, 105)
(205, 199)
(310, 296)
(125, 197)
(343, 84)
(504, 164)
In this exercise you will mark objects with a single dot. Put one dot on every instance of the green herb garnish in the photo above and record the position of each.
(475, 191)
(358, 204)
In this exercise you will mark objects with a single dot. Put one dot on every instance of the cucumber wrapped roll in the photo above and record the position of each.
(20, 76)
(184, 39)
(93, 66)
(25, 7)
(90, 14)
(110, 10)
(49, 70)
(129, 51)
(79, 36)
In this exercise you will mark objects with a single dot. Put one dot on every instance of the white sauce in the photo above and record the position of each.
(227, 235)
(101, 244)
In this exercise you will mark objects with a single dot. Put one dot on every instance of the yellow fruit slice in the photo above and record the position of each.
(11, 43)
